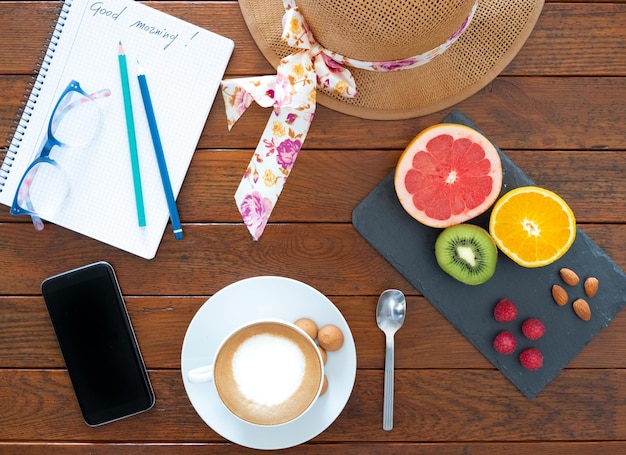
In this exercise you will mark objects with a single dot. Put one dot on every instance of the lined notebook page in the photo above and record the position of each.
(184, 65)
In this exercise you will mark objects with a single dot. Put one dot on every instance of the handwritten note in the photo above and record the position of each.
(101, 10)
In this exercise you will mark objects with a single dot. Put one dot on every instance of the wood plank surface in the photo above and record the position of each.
(558, 111)
(431, 406)
(425, 342)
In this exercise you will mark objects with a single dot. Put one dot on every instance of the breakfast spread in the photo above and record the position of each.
(448, 175)
(408, 245)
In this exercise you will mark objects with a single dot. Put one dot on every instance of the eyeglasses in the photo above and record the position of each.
(74, 122)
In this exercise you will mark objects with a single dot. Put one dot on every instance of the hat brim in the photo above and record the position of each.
(497, 32)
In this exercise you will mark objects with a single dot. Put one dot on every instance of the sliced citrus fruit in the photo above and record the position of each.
(533, 226)
(448, 174)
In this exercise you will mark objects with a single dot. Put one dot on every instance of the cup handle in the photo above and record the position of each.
(200, 374)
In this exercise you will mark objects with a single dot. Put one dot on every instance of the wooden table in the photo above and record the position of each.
(558, 111)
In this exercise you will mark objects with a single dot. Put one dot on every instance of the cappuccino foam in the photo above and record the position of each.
(268, 373)
(268, 369)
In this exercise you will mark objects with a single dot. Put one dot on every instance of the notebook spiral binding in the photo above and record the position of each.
(22, 117)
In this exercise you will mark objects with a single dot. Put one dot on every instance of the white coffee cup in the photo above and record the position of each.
(267, 372)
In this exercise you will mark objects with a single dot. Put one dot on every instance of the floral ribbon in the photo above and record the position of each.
(291, 94)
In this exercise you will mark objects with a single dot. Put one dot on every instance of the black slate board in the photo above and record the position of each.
(409, 246)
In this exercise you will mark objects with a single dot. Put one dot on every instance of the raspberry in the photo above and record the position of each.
(531, 359)
(505, 311)
(533, 329)
(504, 343)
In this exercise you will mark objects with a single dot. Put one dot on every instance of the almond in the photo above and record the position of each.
(559, 295)
(591, 286)
(569, 276)
(582, 310)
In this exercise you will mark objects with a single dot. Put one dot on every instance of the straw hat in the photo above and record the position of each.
(385, 30)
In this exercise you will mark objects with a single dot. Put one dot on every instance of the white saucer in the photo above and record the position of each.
(266, 297)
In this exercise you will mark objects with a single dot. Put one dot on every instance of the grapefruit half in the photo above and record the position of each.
(448, 174)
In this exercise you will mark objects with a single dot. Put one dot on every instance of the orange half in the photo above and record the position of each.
(532, 226)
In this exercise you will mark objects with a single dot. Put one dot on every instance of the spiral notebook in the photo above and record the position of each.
(184, 65)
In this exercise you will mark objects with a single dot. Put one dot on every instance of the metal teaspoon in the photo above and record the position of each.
(390, 313)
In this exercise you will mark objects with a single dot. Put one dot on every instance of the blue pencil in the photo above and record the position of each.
(158, 149)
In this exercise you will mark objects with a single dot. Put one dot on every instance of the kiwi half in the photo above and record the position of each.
(467, 253)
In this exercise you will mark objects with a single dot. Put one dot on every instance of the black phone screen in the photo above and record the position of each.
(98, 343)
